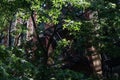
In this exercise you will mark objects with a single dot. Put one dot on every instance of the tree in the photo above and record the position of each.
(92, 27)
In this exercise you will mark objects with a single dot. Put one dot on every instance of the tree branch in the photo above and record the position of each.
(39, 40)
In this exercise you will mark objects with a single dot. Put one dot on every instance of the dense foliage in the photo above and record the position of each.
(89, 23)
